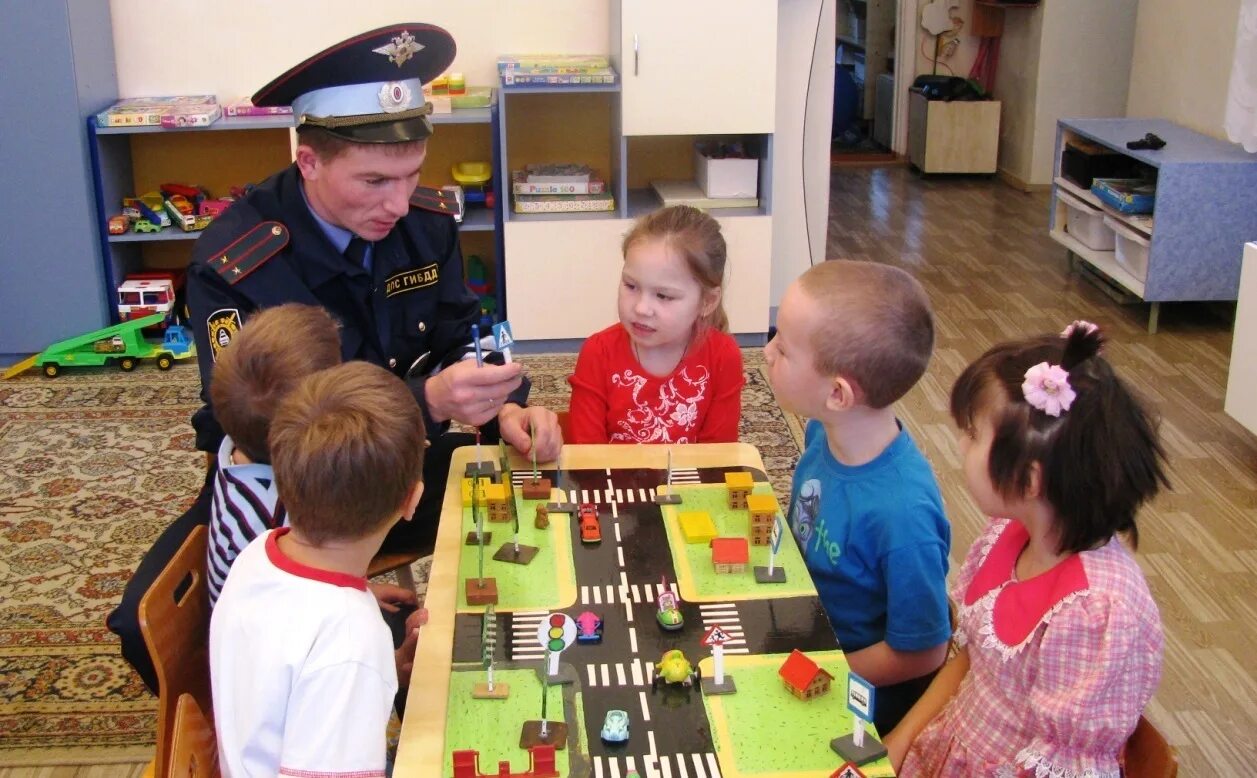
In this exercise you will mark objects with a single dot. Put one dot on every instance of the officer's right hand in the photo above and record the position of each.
(471, 394)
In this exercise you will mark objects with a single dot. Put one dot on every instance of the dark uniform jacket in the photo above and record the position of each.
(412, 302)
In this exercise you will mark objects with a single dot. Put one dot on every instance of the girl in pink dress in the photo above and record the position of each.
(668, 371)
(1059, 640)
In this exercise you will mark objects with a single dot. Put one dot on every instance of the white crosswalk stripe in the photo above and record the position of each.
(629, 495)
(685, 475)
(642, 493)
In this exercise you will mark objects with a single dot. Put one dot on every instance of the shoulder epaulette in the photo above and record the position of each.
(250, 251)
(435, 200)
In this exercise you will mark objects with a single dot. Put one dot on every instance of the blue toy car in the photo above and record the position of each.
(615, 727)
(588, 628)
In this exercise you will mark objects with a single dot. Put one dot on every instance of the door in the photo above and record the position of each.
(698, 67)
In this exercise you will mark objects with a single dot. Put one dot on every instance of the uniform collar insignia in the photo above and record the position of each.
(402, 48)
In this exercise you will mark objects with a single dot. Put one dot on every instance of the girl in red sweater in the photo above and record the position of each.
(668, 371)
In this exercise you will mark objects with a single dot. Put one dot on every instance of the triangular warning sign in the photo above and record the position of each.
(716, 636)
(849, 770)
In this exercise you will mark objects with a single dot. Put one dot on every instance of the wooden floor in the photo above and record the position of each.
(981, 250)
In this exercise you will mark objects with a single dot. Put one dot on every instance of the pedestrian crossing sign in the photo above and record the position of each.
(849, 770)
(502, 336)
(715, 636)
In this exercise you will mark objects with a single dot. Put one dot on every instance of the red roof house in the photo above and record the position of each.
(804, 678)
(730, 555)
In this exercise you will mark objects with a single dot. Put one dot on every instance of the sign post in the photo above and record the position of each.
(772, 573)
(719, 683)
(555, 633)
(860, 701)
(666, 495)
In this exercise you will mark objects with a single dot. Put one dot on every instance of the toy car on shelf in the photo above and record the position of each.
(139, 297)
(673, 667)
(669, 615)
(474, 178)
(153, 208)
(118, 225)
(615, 727)
(144, 225)
(588, 628)
(590, 527)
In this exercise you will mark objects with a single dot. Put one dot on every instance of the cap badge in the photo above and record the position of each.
(394, 96)
(402, 48)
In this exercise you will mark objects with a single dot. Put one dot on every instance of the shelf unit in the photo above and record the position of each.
(675, 88)
(1205, 211)
(238, 150)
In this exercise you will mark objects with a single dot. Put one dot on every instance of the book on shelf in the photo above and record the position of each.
(553, 63)
(557, 173)
(191, 116)
(521, 185)
(245, 107)
(601, 76)
(562, 203)
(689, 193)
(140, 111)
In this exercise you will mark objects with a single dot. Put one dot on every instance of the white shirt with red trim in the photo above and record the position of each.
(302, 670)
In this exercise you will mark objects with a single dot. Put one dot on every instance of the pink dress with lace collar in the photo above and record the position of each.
(1061, 665)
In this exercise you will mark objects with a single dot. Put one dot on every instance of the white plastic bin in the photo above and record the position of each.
(1085, 222)
(729, 177)
(1132, 248)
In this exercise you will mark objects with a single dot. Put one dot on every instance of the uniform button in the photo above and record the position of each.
(392, 362)
(423, 327)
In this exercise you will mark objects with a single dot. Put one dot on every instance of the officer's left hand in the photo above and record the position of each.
(515, 424)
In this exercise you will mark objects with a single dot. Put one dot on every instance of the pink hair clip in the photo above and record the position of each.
(1079, 324)
(1047, 388)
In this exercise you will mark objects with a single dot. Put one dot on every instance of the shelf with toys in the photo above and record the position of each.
(234, 151)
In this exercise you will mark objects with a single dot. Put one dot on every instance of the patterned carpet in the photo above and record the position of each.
(93, 465)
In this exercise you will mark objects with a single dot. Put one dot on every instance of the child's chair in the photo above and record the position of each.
(383, 563)
(194, 748)
(1148, 754)
(174, 619)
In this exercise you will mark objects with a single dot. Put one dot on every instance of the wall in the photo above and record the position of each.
(1182, 62)
(805, 68)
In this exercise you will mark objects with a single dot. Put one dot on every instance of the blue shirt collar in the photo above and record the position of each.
(339, 236)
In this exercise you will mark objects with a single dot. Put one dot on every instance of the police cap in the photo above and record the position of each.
(368, 89)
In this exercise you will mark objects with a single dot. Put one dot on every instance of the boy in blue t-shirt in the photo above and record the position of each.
(852, 338)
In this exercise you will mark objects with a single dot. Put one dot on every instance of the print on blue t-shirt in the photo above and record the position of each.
(875, 542)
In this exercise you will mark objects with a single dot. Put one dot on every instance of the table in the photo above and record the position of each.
(675, 731)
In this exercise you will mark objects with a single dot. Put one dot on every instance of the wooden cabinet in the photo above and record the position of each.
(961, 136)
(1241, 404)
(697, 67)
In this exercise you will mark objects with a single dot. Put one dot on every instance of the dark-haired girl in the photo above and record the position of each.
(1059, 640)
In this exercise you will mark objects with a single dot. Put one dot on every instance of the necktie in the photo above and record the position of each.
(356, 251)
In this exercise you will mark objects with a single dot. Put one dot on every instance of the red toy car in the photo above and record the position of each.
(590, 528)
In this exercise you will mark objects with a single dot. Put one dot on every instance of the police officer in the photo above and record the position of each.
(346, 227)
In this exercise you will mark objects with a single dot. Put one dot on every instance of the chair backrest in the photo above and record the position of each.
(565, 425)
(1148, 754)
(174, 619)
(193, 747)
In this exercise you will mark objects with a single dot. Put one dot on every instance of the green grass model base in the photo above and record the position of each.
(548, 583)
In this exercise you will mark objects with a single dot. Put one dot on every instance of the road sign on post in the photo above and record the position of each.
(861, 697)
(772, 573)
(715, 638)
(555, 633)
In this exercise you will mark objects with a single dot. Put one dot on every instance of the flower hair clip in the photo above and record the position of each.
(1079, 324)
(1047, 388)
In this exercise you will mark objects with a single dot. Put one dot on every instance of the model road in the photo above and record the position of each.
(620, 580)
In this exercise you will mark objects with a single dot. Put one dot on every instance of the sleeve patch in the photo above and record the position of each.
(222, 325)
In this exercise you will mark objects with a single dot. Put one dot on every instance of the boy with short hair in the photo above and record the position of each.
(301, 664)
(268, 357)
(852, 338)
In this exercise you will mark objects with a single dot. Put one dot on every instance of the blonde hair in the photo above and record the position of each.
(876, 327)
(696, 237)
(347, 449)
(276, 348)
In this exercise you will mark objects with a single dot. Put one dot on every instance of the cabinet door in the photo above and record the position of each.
(698, 67)
(748, 273)
(562, 276)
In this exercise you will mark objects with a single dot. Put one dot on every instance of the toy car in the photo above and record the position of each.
(588, 628)
(214, 208)
(139, 297)
(669, 615)
(590, 527)
(615, 727)
(673, 667)
(118, 225)
(144, 225)
(156, 208)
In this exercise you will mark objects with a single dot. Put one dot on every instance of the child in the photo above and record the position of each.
(1060, 641)
(668, 372)
(272, 353)
(301, 666)
(852, 338)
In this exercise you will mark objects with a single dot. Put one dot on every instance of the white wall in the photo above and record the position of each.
(233, 47)
(1182, 62)
(801, 200)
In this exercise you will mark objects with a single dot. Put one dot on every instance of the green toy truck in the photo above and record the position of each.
(122, 345)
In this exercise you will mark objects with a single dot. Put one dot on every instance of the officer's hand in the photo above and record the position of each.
(516, 424)
(469, 393)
